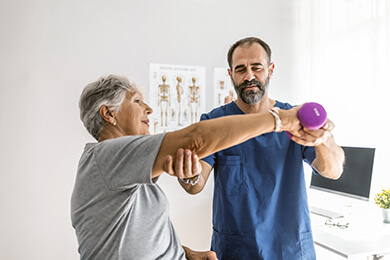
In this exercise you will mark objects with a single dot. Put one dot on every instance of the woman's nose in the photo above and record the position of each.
(148, 109)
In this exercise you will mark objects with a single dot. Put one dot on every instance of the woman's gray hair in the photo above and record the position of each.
(109, 91)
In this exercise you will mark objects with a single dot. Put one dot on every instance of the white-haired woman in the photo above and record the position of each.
(117, 209)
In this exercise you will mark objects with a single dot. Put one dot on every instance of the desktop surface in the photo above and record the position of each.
(365, 234)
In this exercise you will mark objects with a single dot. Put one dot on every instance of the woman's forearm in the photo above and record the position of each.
(209, 136)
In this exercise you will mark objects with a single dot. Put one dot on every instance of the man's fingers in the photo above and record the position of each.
(179, 163)
(188, 164)
(196, 166)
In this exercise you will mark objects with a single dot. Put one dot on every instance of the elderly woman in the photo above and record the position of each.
(117, 209)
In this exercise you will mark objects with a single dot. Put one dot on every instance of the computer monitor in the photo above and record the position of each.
(355, 182)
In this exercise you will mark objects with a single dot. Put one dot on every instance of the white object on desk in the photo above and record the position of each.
(325, 213)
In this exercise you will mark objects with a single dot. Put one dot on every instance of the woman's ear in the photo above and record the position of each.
(107, 115)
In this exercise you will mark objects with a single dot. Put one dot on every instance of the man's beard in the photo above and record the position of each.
(251, 97)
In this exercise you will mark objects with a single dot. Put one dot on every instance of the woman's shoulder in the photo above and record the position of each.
(126, 144)
(129, 139)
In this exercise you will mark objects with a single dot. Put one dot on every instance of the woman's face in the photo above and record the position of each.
(132, 118)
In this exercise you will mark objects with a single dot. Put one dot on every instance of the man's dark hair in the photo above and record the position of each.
(249, 41)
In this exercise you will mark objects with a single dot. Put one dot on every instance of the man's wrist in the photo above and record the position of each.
(193, 181)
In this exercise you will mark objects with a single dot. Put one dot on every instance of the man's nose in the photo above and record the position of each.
(249, 75)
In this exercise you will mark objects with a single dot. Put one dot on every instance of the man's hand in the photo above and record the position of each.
(329, 161)
(196, 255)
(315, 137)
(186, 164)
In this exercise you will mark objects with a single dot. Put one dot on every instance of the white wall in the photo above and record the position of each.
(345, 55)
(51, 49)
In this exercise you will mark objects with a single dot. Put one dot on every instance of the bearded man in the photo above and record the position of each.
(260, 208)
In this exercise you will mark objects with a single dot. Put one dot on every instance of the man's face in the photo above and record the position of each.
(251, 72)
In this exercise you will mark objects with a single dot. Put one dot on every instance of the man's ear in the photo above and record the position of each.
(229, 72)
(231, 76)
(107, 115)
(271, 69)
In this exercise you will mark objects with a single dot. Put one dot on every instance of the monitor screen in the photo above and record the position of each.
(355, 181)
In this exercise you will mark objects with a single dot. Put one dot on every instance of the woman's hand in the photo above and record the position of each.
(196, 255)
(187, 165)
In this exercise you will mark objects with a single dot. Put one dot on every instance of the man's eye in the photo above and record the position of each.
(256, 68)
(137, 100)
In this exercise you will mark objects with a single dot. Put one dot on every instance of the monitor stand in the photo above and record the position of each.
(325, 213)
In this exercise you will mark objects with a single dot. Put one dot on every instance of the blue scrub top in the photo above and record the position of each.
(260, 208)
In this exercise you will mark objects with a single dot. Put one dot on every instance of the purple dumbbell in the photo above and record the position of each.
(312, 116)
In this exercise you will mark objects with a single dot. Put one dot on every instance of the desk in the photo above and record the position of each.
(366, 236)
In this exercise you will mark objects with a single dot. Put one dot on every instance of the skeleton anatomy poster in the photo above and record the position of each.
(177, 95)
(223, 89)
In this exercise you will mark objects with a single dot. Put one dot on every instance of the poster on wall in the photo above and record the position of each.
(223, 88)
(177, 95)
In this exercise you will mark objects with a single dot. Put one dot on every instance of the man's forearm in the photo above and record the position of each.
(329, 161)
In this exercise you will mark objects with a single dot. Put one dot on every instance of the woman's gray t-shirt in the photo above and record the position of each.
(117, 210)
